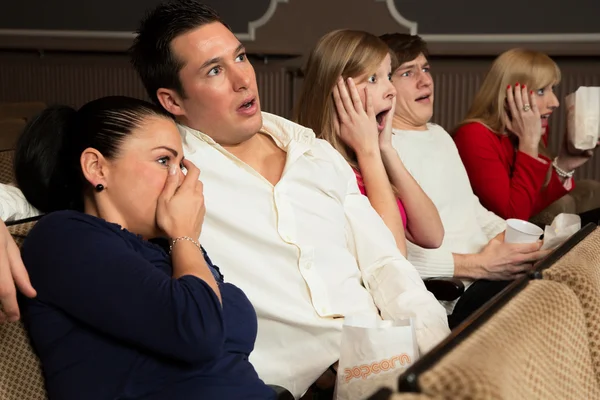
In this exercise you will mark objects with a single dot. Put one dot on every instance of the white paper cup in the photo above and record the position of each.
(519, 231)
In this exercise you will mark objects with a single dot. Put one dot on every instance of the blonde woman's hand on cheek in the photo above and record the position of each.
(385, 137)
(355, 124)
(525, 120)
(181, 209)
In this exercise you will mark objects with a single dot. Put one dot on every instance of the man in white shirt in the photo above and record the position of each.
(285, 220)
(473, 248)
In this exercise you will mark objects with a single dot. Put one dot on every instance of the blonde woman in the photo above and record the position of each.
(503, 139)
(348, 100)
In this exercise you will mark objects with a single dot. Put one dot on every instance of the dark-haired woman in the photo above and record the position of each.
(116, 316)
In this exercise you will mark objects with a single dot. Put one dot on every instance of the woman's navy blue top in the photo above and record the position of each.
(110, 322)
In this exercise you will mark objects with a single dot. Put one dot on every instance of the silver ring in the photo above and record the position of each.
(526, 107)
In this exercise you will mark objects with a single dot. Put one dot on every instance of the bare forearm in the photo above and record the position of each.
(425, 226)
(467, 265)
(188, 260)
(381, 196)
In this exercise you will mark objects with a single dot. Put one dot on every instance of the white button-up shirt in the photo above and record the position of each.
(307, 252)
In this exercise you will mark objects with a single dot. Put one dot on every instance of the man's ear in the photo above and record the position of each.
(94, 166)
(171, 101)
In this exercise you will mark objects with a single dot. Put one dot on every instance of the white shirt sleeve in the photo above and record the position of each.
(13, 205)
(491, 224)
(431, 263)
(395, 285)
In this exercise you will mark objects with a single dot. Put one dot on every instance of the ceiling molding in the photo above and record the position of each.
(253, 25)
(514, 38)
(408, 24)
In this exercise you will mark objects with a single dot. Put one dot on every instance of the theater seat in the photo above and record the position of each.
(20, 371)
(7, 174)
(445, 289)
(579, 270)
(535, 347)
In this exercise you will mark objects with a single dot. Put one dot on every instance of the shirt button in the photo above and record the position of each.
(308, 264)
(287, 238)
(323, 311)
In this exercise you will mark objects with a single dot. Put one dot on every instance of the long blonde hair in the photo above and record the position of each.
(346, 53)
(528, 67)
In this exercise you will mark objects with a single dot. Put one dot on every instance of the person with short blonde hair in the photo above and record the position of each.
(503, 139)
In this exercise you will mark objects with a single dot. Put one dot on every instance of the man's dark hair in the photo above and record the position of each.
(405, 47)
(151, 52)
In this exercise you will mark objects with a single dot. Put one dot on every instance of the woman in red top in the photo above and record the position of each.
(348, 100)
(503, 139)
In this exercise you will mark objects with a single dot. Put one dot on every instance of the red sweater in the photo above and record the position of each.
(489, 159)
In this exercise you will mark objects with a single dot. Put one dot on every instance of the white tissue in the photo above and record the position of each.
(563, 226)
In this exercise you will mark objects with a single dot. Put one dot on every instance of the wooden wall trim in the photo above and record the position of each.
(293, 27)
(437, 46)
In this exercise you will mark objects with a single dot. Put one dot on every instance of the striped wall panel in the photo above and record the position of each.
(76, 78)
(71, 80)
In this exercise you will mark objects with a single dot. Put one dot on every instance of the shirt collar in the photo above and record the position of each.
(286, 134)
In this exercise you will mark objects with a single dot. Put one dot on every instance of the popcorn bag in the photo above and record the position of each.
(583, 117)
(373, 354)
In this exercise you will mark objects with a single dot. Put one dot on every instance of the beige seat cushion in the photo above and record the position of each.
(20, 371)
(579, 269)
(20, 231)
(585, 197)
(535, 347)
(7, 174)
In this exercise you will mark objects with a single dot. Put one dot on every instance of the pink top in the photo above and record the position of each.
(363, 190)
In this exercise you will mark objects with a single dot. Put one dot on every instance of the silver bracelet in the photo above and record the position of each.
(189, 239)
(561, 172)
